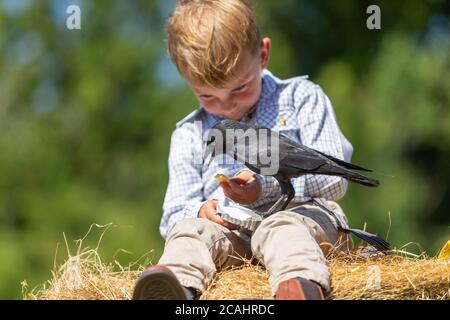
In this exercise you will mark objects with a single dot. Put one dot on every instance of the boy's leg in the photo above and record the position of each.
(195, 248)
(294, 243)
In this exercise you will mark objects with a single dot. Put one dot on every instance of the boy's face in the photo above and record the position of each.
(240, 93)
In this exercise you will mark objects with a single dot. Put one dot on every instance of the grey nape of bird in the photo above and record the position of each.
(294, 158)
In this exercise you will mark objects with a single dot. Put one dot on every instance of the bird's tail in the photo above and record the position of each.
(344, 164)
(336, 170)
(359, 178)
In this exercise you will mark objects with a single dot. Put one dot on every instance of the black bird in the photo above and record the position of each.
(267, 152)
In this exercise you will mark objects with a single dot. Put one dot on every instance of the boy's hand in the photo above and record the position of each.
(244, 188)
(208, 211)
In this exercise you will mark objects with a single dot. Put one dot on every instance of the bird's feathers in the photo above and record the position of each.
(294, 158)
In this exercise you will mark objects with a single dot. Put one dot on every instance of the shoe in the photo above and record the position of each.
(299, 289)
(159, 283)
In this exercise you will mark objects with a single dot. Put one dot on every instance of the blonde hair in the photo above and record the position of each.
(207, 38)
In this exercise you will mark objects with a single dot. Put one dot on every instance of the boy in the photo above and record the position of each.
(218, 49)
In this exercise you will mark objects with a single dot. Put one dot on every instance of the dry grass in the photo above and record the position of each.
(396, 276)
(84, 276)
(390, 277)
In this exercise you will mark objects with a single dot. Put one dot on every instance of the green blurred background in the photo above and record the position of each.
(86, 117)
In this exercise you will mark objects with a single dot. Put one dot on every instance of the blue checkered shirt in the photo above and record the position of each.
(295, 107)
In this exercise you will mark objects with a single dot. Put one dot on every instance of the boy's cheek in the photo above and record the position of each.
(211, 107)
(249, 99)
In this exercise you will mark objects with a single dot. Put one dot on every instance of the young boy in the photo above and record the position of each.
(218, 49)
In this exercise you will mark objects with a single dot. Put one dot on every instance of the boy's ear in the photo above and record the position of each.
(265, 52)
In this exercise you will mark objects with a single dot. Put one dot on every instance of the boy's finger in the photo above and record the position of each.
(232, 190)
(227, 190)
(218, 219)
(225, 186)
(233, 194)
(238, 181)
(236, 187)
(212, 215)
(229, 225)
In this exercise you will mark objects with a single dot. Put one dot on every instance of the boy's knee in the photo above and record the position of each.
(275, 223)
(279, 219)
(198, 228)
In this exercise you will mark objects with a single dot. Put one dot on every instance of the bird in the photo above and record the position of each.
(268, 152)
(243, 142)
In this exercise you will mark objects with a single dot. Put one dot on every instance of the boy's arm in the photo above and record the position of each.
(319, 130)
(184, 195)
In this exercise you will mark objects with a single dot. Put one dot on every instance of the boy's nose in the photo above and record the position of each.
(229, 105)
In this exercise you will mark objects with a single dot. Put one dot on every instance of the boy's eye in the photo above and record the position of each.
(206, 97)
(240, 88)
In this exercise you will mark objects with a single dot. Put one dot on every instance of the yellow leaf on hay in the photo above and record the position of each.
(445, 251)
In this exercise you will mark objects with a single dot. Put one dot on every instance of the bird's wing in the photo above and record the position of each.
(344, 163)
(300, 158)
(295, 159)
(292, 156)
(340, 162)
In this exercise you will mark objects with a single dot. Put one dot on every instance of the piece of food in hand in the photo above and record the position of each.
(221, 178)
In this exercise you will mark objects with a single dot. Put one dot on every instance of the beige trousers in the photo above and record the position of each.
(290, 244)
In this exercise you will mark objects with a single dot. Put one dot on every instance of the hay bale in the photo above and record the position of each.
(353, 277)
(246, 281)
(85, 277)
(398, 278)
